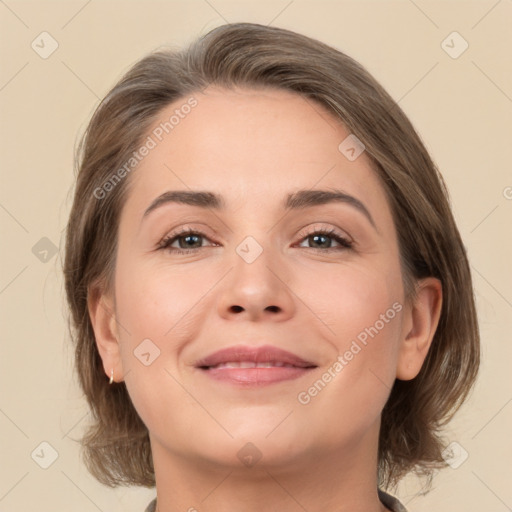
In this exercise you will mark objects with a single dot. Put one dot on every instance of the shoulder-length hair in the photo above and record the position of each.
(116, 445)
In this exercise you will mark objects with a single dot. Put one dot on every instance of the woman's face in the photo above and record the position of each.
(257, 271)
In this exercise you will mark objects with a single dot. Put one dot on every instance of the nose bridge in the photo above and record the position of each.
(253, 264)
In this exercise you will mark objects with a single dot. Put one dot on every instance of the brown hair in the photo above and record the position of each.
(116, 445)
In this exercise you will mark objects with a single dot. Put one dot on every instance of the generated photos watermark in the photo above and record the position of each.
(357, 345)
(151, 142)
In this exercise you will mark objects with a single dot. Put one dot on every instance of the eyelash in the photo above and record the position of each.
(332, 233)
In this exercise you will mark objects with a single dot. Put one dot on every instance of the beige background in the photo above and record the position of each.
(461, 106)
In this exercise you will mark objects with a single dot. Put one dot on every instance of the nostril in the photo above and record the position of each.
(236, 309)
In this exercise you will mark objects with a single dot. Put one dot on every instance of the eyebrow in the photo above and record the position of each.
(299, 200)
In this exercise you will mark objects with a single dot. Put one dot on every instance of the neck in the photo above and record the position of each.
(341, 480)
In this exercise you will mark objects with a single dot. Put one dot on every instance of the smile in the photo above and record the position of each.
(254, 366)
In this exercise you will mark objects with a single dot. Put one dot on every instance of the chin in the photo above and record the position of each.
(256, 446)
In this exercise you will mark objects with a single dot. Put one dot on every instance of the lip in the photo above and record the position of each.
(295, 365)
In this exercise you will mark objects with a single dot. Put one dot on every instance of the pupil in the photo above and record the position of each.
(316, 237)
(188, 237)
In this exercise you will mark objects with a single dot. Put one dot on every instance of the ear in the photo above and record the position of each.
(103, 319)
(420, 324)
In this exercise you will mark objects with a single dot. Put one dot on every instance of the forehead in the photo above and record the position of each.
(250, 146)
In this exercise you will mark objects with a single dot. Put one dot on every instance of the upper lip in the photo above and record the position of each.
(261, 354)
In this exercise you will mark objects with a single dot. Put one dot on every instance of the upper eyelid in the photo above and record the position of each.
(204, 231)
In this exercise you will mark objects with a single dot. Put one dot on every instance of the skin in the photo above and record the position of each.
(255, 147)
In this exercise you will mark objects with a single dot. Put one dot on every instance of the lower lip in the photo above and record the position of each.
(256, 376)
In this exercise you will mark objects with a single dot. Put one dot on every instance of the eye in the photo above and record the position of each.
(323, 236)
(190, 241)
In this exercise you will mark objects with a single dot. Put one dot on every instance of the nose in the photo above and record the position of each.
(256, 291)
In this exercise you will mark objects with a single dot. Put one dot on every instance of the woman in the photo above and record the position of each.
(262, 259)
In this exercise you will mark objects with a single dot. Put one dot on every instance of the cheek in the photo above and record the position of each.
(156, 302)
(160, 319)
(361, 314)
(351, 299)
(157, 311)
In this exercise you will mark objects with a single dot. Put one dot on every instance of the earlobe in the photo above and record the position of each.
(421, 324)
(102, 314)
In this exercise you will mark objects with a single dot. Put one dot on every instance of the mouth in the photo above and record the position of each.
(254, 366)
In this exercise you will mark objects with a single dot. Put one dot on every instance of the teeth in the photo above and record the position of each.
(251, 364)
